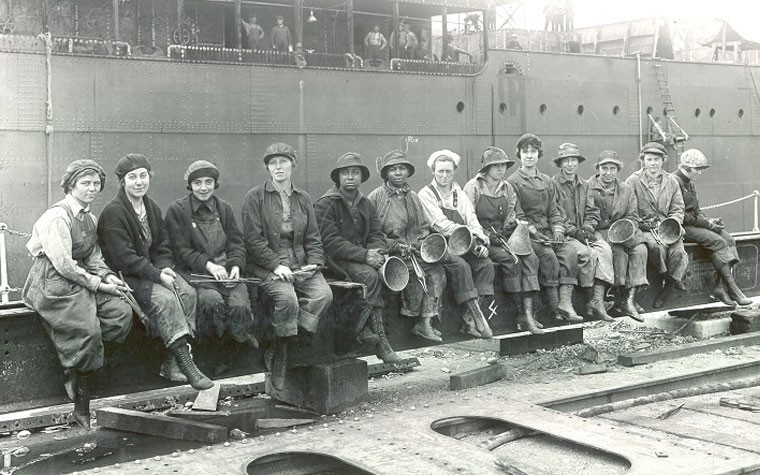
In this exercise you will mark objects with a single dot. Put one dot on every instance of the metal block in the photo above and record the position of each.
(160, 425)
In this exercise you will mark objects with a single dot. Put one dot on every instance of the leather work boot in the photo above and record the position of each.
(170, 370)
(280, 363)
(82, 399)
(526, 319)
(667, 289)
(719, 291)
(468, 327)
(478, 318)
(424, 329)
(181, 351)
(597, 303)
(383, 349)
(70, 384)
(733, 290)
(629, 306)
(552, 299)
(616, 310)
(565, 306)
(366, 337)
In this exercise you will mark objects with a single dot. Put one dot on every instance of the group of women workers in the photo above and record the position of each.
(86, 270)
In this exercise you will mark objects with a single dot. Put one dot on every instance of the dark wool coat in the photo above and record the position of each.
(121, 239)
(188, 245)
(692, 214)
(343, 240)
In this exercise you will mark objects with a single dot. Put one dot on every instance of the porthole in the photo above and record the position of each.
(580, 109)
(460, 106)
(712, 113)
(502, 108)
(616, 110)
(542, 108)
(741, 113)
(697, 111)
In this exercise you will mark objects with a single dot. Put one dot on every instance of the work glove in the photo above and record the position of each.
(645, 226)
(559, 237)
(509, 228)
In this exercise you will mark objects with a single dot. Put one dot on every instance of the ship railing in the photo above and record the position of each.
(216, 53)
(5, 288)
(755, 195)
(96, 46)
(434, 67)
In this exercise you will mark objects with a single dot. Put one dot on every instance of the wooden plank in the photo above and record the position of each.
(207, 399)
(159, 425)
(524, 342)
(679, 351)
(477, 377)
(274, 423)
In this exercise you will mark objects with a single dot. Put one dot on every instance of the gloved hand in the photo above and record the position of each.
(509, 228)
(645, 226)
(559, 238)
(580, 235)
(716, 225)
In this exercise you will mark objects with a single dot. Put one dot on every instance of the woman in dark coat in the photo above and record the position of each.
(70, 286)
(131, 233)
(206, 239)
(281, 237)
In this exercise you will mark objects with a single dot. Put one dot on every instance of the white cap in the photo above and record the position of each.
(443, 153)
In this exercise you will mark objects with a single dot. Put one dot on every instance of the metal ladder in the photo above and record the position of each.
(676, 135)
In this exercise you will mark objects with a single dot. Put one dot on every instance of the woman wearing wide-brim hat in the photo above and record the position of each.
(281, 236)
(404, 226)
(616, 200)
(205, 239)
(496, 203)
(354, 245)
(447, 208)
(75, 293)
(132, 234)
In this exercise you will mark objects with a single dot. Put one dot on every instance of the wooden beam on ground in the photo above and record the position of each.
(679, 351)
(273, 423)
(477, 377)
(207, 399)
(524, 342)
(160, 426)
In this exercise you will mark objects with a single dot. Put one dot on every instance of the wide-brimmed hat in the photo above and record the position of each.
(349, 159)
(443, 153)
(81, 167)
(493, 156)
(567, 150)
(609, 156)
(394, 157)
(655, 148)
(280, 149)
(129, 162)
(529, 139)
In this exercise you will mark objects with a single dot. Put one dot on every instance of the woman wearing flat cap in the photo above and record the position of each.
(284, 250)
(496, 204)
(403, 224)
(70, 286)
(132, 235)
(448, 208)
(354, 245)
(658, 196)
(206, 239)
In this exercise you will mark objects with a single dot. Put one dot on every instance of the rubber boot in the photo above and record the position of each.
(617, 308)
(526, 318)
(629, 306)
(81, 413)
(719, 291)
(473, 308)
(424, 329)
(552, 298)
(667, 289)
(280, 363)
(597, 303)
(170, 370)
(733, 290)
(383, 349)
(181, 351)
(565, 306)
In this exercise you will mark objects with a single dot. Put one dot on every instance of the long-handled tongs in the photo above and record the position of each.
(503, 243)
(130, 299)
(418, 271)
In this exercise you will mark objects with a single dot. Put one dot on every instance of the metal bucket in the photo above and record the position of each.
(433, 248)
(519, 241)
(670, 231)
(461, 241)
(622, 231)
(395, 273)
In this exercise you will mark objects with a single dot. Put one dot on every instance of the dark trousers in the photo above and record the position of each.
(548, 266)
(721, 246)
(516, 276)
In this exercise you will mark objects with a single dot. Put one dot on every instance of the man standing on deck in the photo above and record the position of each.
(709, 233)
(592, 253)
(281, 36)
(659, 197)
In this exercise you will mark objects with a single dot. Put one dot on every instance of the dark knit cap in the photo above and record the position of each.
(129, 162)
(78, 168)
(201, 168)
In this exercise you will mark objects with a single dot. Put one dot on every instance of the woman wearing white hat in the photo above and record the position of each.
(447, 208)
